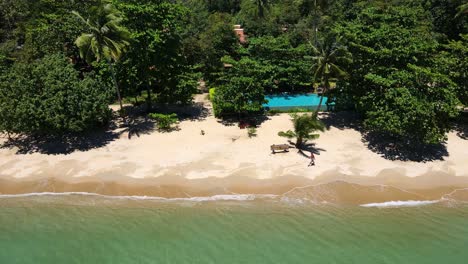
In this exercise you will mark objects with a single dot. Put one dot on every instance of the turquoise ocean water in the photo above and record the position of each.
(94, 229)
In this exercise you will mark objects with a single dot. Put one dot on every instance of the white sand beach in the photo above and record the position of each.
(228, 152)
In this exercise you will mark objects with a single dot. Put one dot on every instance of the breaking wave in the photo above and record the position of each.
(220, 197)
(400, 204)
(337, 193)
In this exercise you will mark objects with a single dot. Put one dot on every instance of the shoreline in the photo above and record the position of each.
(224, 160)
(295, 188)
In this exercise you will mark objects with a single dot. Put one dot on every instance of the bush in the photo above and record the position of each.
(164, 121)
(49, 97)
(274, 112)
(252, 132)
(212, 92)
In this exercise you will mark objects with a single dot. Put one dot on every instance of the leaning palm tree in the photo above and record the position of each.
(304, 126)
(105, 38)
(328, 59)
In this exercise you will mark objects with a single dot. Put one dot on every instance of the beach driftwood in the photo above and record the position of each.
(281, 147)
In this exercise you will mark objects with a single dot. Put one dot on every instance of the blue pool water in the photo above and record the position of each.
(292, 101)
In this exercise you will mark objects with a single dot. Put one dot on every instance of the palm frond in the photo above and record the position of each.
(106, 38)
(287, 134)
(79, 17)
(462, 10)
(311, 136)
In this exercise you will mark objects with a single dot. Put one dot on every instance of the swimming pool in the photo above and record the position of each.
(294, 101)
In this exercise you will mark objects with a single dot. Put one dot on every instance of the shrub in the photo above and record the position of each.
(274, 112)
(252, 132)
(212, 92)
(211, 95)
(164, 121)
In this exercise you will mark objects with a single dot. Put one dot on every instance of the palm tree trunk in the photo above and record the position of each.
(326, 86)
(315, 23)
(299, 142)
(116, 85)
(319, 105)
(148, 99)
(148, 94)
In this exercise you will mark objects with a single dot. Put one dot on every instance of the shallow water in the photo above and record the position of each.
(96, 229)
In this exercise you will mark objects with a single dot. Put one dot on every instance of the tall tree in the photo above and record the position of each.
(240, 90)
(329, 58)
(318, 5)
(106, 39)
(316, 9)
(405, 96)
(49, 97)
(262, 5)
(453, 61)
(156, 39)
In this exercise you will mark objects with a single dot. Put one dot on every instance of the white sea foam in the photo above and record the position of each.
(400, 203)
(221, 197)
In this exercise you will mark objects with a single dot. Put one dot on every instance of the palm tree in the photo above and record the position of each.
(462, 9)
(106, 38)
(317, 5)
(261, 6)
(329, 57)
(304, 126)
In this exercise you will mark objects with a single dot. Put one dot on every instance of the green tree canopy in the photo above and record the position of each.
(48, 97)
(286, 66)
(241, 91)
(453, 61)
(154, 61)
(329, 58)
(106, 39)
(392, 77)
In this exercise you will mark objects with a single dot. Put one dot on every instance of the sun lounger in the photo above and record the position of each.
(281, 147)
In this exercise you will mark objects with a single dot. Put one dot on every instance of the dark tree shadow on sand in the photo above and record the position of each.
(195, 111)
(68, 143)
(395, 149)
(138, 125)
(64, 144)
(390, 148)
(243, 121)
(342, 120)
(308, 148)
(461, 126)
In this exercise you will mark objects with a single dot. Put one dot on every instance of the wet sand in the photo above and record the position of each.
(226, 160)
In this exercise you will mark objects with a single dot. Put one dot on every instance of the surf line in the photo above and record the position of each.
(410, 203)
(219, 197)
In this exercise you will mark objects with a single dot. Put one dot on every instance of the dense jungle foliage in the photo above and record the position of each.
(402, 64)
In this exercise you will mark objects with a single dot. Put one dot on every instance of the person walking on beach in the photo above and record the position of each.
(312, 159)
